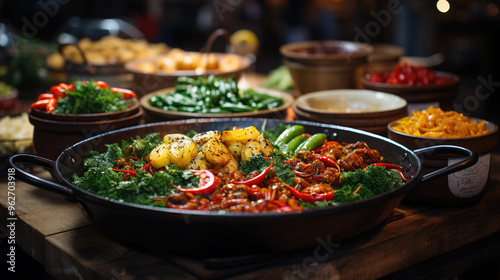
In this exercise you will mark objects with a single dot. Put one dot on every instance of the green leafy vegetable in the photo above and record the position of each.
(279, 78)
(142, 189)
(258, 162)
(88, 98)
(362, 184)
(377, 179)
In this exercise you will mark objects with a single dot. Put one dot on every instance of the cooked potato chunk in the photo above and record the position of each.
(203, 138)
(242, 135)
(216, 152)
(170, 138)
(159, 156)
(250, 149)
(182, 152)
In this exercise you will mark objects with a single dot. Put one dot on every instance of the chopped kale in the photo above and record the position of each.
(258, 162)
(362, 184)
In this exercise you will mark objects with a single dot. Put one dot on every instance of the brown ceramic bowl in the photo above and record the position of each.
(460, 188)
(147, 82)
(154, 114)
(322, 65)
(420, 97)
(362, 109)
(54, 133)
(131, 110)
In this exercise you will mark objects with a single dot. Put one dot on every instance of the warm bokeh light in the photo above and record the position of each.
(443, 6)
(492, 10)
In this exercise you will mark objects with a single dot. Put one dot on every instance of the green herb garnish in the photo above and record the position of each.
(88, 98)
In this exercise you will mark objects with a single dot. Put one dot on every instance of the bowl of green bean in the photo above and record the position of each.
(214, 97)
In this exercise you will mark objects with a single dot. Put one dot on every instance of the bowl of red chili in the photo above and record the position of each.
(421, 87)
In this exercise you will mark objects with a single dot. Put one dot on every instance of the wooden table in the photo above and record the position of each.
(420, 240)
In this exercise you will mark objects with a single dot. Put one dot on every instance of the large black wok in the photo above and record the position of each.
(216, 234)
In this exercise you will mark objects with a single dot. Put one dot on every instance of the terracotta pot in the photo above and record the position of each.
(332, 69)
(53, 134)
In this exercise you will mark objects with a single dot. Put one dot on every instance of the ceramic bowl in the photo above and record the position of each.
(363, 109)
(322, 65)
(54, 133)
(146, 82)
(131, 110)
(460, 188)
(420, 97)
(153, 114)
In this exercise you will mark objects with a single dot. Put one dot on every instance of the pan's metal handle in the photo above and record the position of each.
(470, 160)
(37, 181)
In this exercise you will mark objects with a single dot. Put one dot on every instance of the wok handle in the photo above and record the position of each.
(37, 181)
(470, 160)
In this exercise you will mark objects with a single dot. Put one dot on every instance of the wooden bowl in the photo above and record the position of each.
(131, 110)
(147, 82)
(460, 188)
(420, 97)
(156, 114)
(52, 135)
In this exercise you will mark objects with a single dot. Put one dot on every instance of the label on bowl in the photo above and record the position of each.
(470, 181)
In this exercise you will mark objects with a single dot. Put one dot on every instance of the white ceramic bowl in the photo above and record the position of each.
(363, 109)
(352, 103)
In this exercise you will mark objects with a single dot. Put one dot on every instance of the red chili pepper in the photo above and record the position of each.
(233, 201)
(51, 105)
(146, 166)
(101, 84)
(257, 179)
(391, 166)
(328, 161)
(40, 104)
(216, 200)
(59, 90)
(206, 186)
(282, 206)
(310, 197)
(302, 174)
(132, 173)
(357, 190)
(254, 192)
(127, 93)
(326, 146)
(45, 96)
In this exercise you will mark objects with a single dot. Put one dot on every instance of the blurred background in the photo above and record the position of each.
(463, 33)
